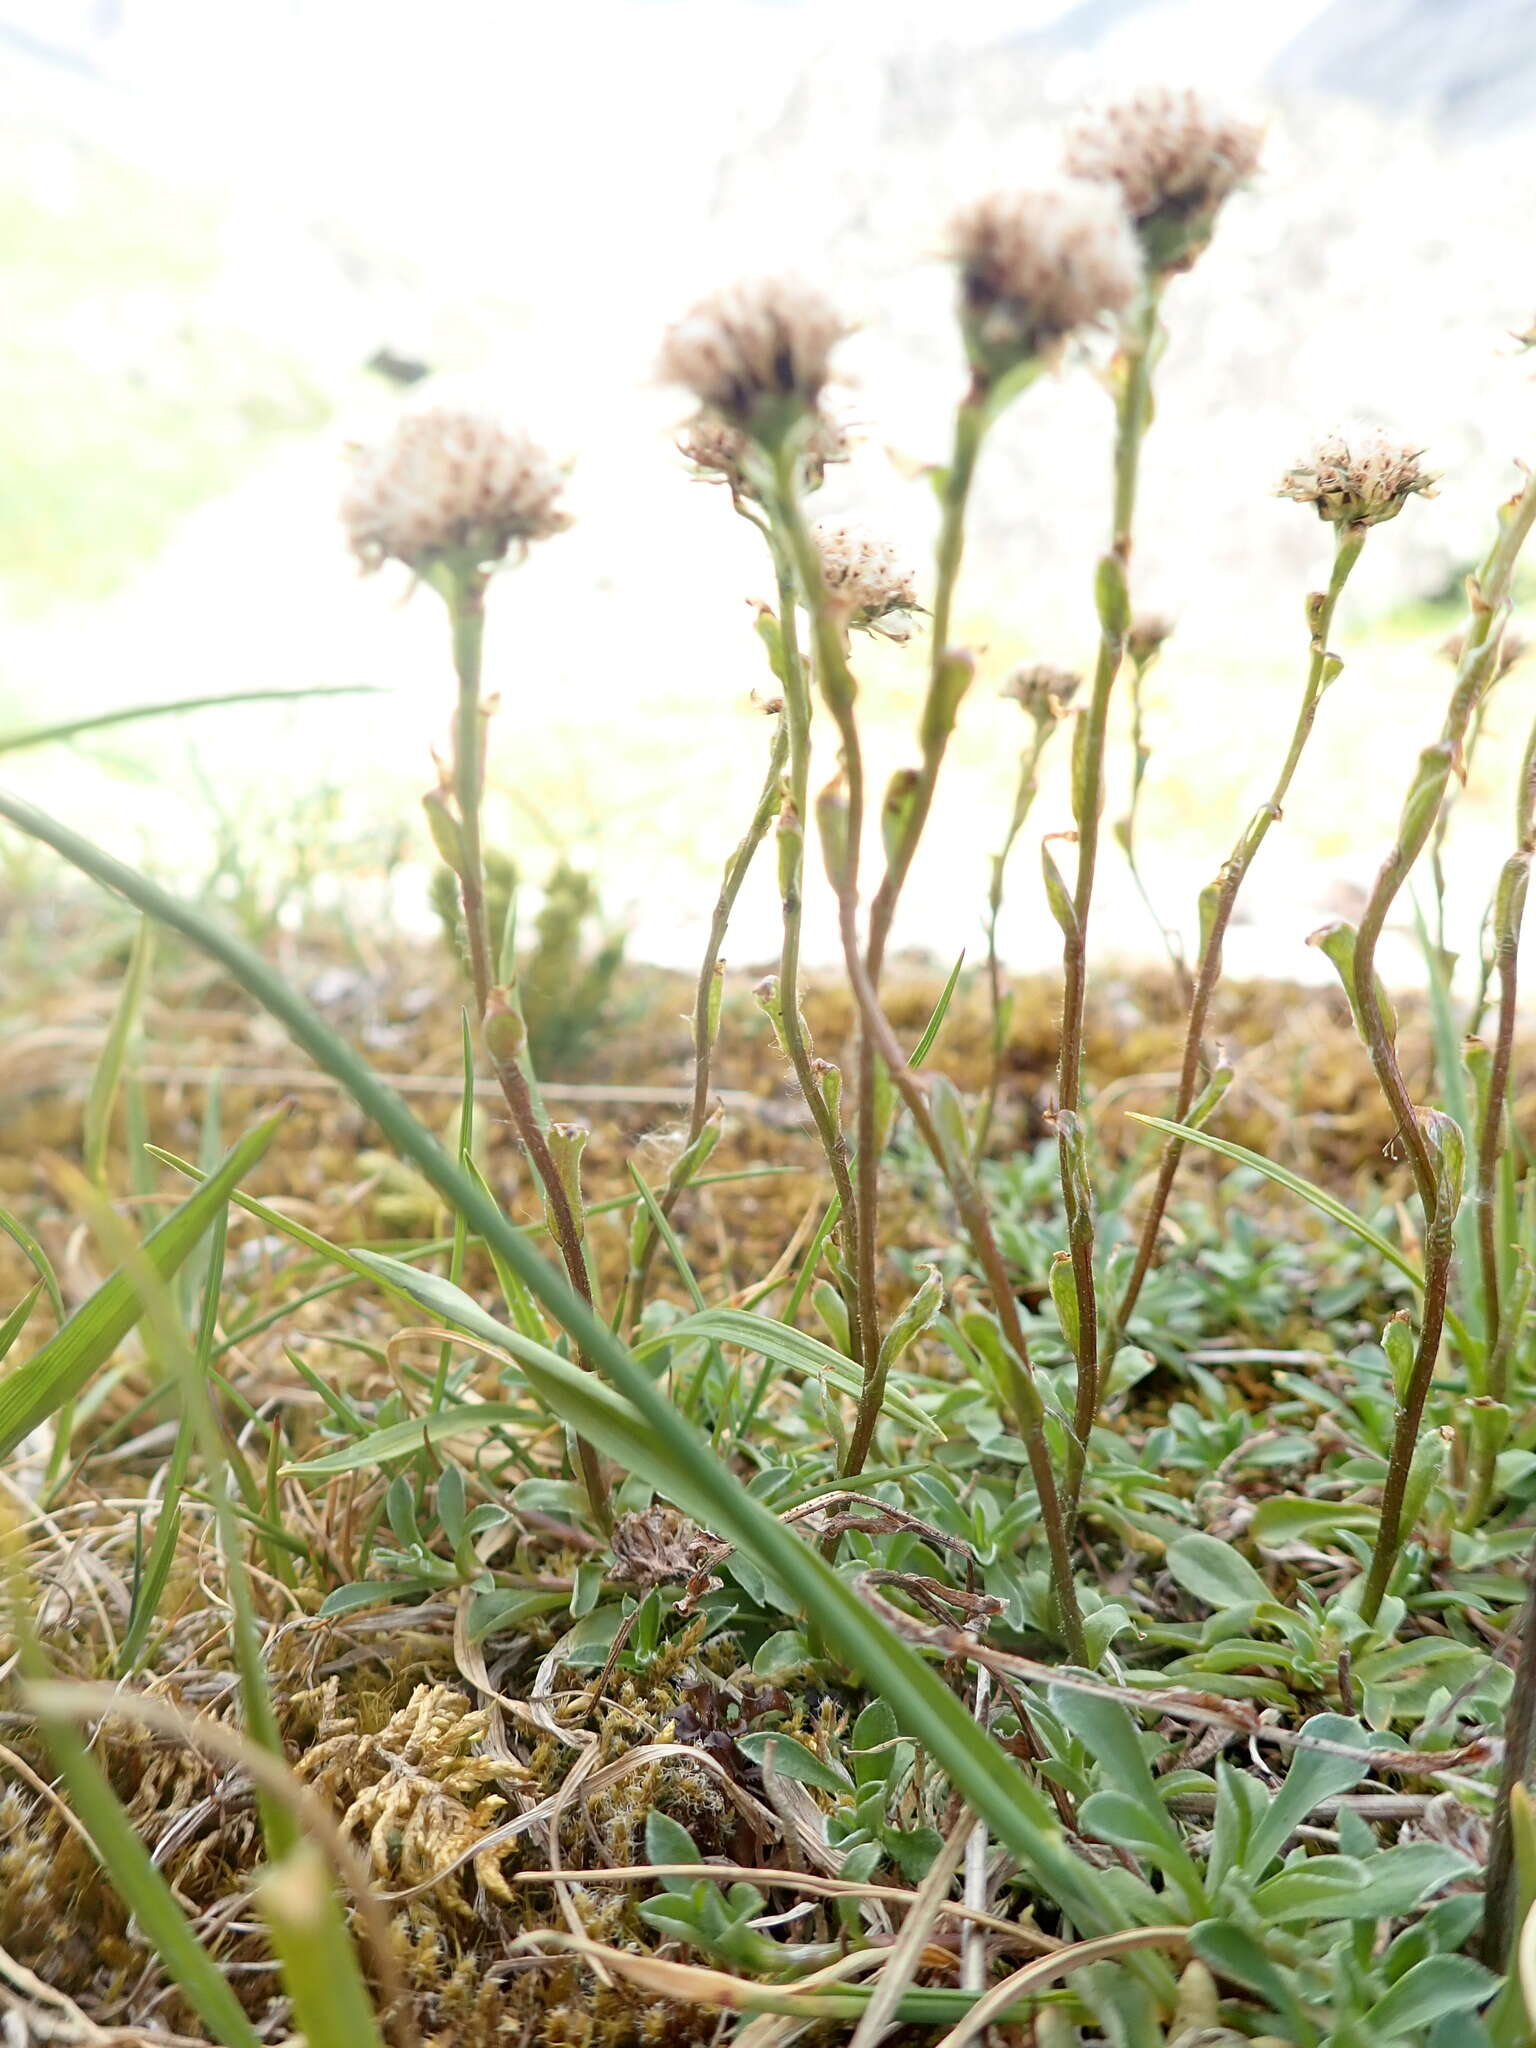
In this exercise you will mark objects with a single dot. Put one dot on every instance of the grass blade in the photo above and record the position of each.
(73, 728)
(31, 1392)
(164, 1927)
(108, 1077)
(320, 1972)
(1309, 1191)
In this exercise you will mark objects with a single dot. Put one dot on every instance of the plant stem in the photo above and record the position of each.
(839, 689)
(705, 1004)
(797, 721)
(1320, 672)
(1509, 906)
(1024, 797)
(466, 607)
(1133, 413)
(1519, 1752)
(1024, 1395)
(1489, 595)
(938, 720)
(939, 710)
(464, 588)
(1439, 1252)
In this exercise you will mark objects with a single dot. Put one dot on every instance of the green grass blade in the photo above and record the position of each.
(108, 1077)
(163, 1926)
(935, 1023)
(1309, 1191)
(31, 1392)
(1015, 1810)
(74, 728)
(668, 1236)
(320, 1973)
(19, 1235)
(150, 1590)
(795, 1349)
(17, 1320)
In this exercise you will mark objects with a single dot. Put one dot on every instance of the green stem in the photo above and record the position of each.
(464, 586)
(1439, 1252)
(840, 690)
(1508, 913)
(1133, 414)
(797, 719)
(1489, 592)
(1348, 544)
(938, 722)
(465, 590)
(1024, 797)
(1519, 1731)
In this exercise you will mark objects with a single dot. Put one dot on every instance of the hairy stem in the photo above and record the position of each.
(464, 589)
(1133, 412)
(1023, 801)
(797, 721)
(1499, 1929)
(1348, 544)
(1439, 1252)
(937, 724)
(1489, 595)
(838, 688)
(1509, 906)
(466, 606)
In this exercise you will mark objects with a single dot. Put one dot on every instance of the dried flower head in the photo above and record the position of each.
(867, 582)
(720, 452)
(450, 481)
(1514, 646)
(757, 353)
(1174, 160)
(1037, 266)
(1042, 691)
(1360, 485)
(659, 1547)
(1144, 641)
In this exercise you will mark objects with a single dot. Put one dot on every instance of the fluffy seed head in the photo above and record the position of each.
(757, 353)
(1174, 160)
(867, 582)
(1036, 266)
(1041, 691)
(721, 452)
(1360, 485)
(450, 481)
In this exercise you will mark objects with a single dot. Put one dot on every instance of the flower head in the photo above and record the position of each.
(1036, 266)
(867, 582)
(757, 353)
(450, 481)
(1359, 485)
(720, 452)
(1144, 641)
(1175, 160)
(1041, 691)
